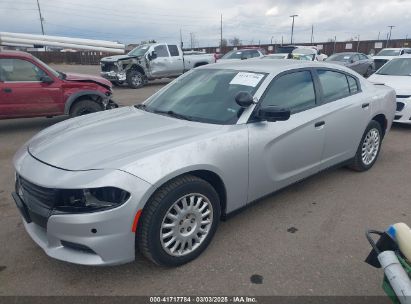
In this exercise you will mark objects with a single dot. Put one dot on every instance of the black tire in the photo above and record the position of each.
(149, 227)
(135, 79)
(358, 164)
(85, 106)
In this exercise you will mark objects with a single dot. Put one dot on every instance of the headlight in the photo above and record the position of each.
(89, 200)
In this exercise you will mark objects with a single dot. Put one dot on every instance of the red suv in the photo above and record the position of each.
(30, 88)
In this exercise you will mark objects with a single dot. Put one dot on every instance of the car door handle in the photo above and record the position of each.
(365, 105)
(319, 124)
(7, 90)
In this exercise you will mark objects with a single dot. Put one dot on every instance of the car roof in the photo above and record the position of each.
(269, 66)
(14, 54)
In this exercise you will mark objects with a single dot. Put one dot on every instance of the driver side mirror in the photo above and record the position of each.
(273, 113)
(152, 55)
(46, 79)
(244, 99)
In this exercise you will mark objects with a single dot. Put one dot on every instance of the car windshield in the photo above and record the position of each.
(396, 67)
(206, 95)
(339, 57)
(389, 53)
(51, 70)
(140, 50)
(233, 55)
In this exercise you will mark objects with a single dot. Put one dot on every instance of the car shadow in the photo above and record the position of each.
(28, 124)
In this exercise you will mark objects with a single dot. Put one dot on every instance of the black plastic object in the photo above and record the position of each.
(385, 242)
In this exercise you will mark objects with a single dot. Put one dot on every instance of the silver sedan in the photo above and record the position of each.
(161, 175)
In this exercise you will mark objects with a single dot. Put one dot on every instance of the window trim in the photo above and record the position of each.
(320, 88)
(311, 70)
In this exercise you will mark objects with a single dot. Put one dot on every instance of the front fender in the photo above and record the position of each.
(72, 98)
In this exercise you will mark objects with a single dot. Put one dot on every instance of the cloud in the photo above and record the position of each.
(272, 11)
(251, 21)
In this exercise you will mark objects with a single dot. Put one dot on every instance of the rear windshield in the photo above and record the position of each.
(339, 57)
(389, 53)
(396, 67)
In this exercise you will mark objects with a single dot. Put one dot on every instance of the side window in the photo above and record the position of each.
(355, 58)
(294, 91)
(363, 57)
(255, 54)
(334, 85)
(352, 84)
(173, 50)
(19, 70)
(161, 51)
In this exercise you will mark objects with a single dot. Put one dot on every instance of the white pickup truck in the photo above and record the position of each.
(150, 61)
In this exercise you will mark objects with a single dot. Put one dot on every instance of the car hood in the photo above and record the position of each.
(401, 84)
(384, 57)
(87, 78)
(116, 58)
(112, 139)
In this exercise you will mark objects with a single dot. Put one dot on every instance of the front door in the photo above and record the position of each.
(23, 94)
(160, 66)
(284, 152)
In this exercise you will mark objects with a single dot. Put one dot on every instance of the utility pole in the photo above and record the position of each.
(181, 39)
(378, 35)
(221, 34)
(335, 42)
(389, 35)
(282, 40)
(271, 39)
(358, 43)
(312, 33)
(41, 17)
(292, 27)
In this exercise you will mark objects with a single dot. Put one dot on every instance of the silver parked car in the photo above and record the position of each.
(161, 175)
(359, 62)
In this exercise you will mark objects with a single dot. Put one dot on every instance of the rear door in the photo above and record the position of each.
(346, 113)
(176, 60)
(356, 64)
(22, 92)
(284, 152)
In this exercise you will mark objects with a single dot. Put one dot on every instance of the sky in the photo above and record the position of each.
(252, 21)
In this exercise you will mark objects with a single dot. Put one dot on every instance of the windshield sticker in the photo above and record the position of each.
(247, 79)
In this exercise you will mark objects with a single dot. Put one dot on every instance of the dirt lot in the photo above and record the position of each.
(323, 255)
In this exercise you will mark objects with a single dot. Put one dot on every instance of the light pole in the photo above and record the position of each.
(389, 35)
(272, 39)
(292, 27)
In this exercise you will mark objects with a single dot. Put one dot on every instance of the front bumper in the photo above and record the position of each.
(403, 113)
(114, 76)
(96, 238)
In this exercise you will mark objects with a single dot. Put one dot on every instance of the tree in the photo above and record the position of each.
(235, 41)
(224, 42)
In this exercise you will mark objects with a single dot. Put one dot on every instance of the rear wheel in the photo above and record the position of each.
(85, 106)
(369, 148)
(135, 79)
(179, 221)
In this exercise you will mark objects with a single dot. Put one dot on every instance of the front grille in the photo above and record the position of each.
(78, 247)
(397, 117)
(403, 96)
(107, 66)
(379, 63)
(400, 106)
(45, 196)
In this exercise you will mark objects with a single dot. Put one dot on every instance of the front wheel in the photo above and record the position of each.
(85, 106)
(369, 148)
(135, 79)
(179, 221)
